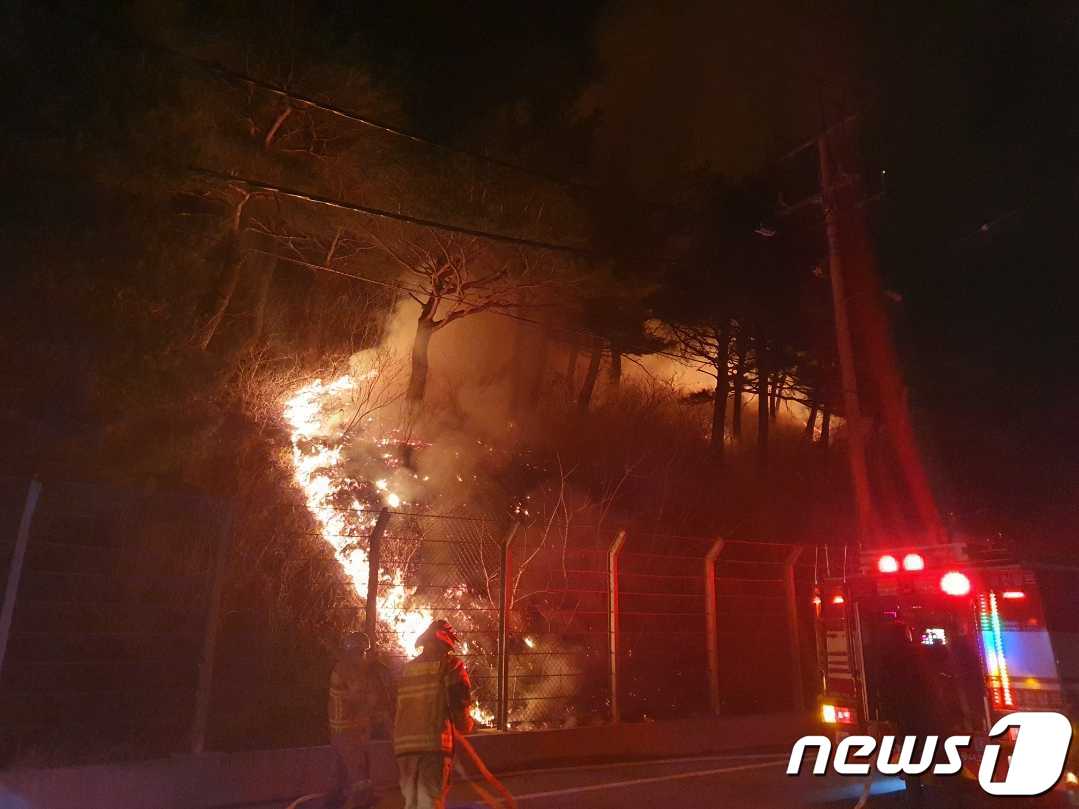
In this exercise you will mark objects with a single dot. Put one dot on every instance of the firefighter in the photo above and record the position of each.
(905, 693)
(361, 697)
(433, 699)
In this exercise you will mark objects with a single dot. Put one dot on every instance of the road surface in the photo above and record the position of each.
(750, 781)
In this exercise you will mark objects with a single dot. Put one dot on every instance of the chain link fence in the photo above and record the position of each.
(584, 626)
(664, 627)
(114, 615)
(105, 611)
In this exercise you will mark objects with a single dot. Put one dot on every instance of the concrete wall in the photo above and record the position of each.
(233, 779)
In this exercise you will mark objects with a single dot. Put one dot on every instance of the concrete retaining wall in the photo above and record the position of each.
(218, 780)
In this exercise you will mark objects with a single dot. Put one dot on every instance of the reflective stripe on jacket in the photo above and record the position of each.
(423, 723)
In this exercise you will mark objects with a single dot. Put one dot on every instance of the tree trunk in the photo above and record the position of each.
(825, 426)
(521, 367)
(417, 381)
(777, 391)
(571, 366)
(226, 287)
(315, 321)
(265, 268)
(230, 277)
(539, 370)
(811, 422)
(719, 406)
(585, 399)
(739, 386)
(763, 374)
(615, 372)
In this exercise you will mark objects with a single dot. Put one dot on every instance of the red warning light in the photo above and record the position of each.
(913, 561)
(954, 583)
(1016, 594)
(838, 599)
(887, 564)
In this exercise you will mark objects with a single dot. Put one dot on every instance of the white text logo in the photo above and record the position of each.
(1034, 766)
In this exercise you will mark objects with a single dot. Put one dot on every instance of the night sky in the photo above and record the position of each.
(978, 126)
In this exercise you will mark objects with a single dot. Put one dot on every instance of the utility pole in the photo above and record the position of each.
(209, 637)
(505, 604)
(22, 538)
(844, 348)
(614, 612)
(374, 559)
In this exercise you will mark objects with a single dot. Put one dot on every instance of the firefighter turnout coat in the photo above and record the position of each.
(433, 695)
(361, 694)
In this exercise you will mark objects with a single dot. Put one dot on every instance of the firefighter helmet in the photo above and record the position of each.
(440, 629)
(356, 642)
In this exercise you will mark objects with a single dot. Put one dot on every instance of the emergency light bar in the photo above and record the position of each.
(911, 562)
(912, 558)
(887, 564)
(954, 583)
(996, 662)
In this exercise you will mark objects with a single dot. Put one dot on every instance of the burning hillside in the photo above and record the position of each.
(349, 471)
(345, 507)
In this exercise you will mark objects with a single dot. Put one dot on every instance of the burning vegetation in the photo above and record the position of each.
(319, 318)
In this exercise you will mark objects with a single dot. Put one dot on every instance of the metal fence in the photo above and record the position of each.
(103, 628)
(585, 626)
(110, 616)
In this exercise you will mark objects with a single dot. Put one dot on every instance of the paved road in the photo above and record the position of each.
(713, 782)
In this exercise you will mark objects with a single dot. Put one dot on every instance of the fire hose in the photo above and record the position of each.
(504, 799)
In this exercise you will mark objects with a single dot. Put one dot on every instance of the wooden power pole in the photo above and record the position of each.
(845, 350)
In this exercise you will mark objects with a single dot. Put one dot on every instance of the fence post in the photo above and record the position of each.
(711, 623)
(209, 638)
(613, 622)
(505, 602)
(374, 557)
(14, 573)
(798, 685)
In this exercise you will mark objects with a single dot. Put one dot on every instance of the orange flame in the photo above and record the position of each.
(315, 457)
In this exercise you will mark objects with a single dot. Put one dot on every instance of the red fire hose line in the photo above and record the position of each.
(505, 799)
(488, 776)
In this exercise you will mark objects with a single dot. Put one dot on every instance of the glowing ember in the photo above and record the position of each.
(482, 717)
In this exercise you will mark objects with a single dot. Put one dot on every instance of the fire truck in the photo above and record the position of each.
(945, 639)
(933, 637)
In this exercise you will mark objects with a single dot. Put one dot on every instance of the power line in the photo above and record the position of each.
(382, 213)
(813, 141)
(308, 101)
(340, 112)
(129, 38)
